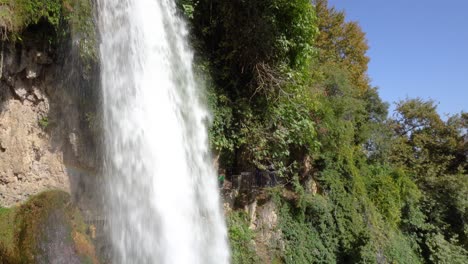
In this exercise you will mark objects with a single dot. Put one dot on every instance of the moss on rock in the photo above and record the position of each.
(7, 220)
(45, 229)
(16, 15)
(79, 17)
(67, 18)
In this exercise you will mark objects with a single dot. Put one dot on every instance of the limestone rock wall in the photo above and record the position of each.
(48, 134)
(28, 163)
(264, 220)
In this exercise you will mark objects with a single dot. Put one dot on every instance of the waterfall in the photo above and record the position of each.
(161, 189)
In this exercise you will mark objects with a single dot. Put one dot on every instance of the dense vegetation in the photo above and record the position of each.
(289, 87)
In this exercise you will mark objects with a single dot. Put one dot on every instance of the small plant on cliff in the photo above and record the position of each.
(44, 122)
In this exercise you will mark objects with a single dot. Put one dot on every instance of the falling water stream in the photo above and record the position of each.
(161, 191)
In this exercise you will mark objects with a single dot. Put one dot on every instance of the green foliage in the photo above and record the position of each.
(286, 131)
(304, 241)
(342, 43)
(303, 245)
(187, 7)
(339, 227)
(425, 142)
(241, 239)
(222, 134)
(283, 30)
(44, 122)
(400, 249)
(390, 190)
(261, 107)
(434, 152)
(443, 251)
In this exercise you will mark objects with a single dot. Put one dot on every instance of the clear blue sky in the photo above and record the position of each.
(418, 48)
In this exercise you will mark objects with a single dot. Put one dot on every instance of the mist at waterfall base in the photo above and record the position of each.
(161, 188)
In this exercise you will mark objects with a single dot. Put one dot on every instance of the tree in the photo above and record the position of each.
(341, 42)
(434, 152)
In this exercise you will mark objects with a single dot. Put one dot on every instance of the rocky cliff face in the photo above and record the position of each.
(48, 108)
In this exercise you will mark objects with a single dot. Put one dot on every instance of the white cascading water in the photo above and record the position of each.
(162, 193)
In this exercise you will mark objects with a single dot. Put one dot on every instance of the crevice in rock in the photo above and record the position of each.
(14, 94)
(2, 149)
(33, 98)
(19, 177)
(37, 154)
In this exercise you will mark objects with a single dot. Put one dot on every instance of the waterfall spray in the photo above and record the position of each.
(161, 188)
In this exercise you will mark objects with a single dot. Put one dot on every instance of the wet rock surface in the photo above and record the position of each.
(47, 228)
(56, 245)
